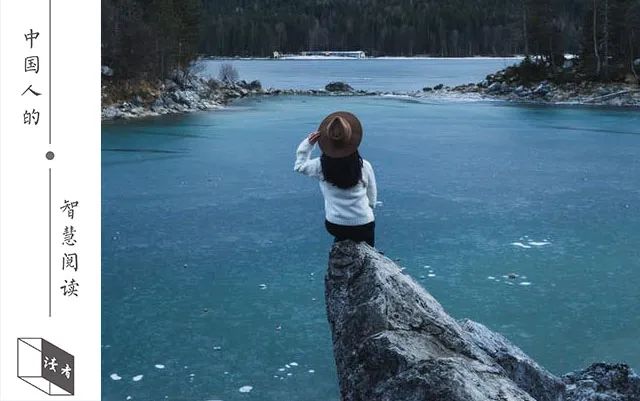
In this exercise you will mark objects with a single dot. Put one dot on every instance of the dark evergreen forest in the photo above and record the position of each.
(149, 38)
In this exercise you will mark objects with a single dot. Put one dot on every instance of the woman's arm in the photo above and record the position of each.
(372, 190)
(304, 163)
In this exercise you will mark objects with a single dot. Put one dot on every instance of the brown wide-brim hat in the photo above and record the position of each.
(347, 143)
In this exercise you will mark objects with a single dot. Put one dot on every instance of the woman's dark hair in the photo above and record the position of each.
(343, 172)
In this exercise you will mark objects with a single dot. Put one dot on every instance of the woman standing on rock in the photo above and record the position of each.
(347, 181)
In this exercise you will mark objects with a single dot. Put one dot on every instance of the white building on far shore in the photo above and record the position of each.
(322, 54)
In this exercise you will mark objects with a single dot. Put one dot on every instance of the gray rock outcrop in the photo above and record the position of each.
(394, 342)
(183, 91)
(603, 382)
(338, 87)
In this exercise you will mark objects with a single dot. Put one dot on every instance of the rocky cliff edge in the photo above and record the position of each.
(394, 342)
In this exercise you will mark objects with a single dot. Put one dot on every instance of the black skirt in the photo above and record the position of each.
(364, 232)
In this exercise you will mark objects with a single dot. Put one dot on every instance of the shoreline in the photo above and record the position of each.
(188, 101)
(531, 83)
(619, 95)
(184, 93)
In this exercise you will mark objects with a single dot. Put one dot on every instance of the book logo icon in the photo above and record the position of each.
(45, 366)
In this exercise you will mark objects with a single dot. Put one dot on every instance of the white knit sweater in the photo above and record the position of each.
(349, 207)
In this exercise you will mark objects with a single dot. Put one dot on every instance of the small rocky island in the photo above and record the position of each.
(394, 342)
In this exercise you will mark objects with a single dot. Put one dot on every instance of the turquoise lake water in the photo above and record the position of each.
(380, 74)
(200, 210)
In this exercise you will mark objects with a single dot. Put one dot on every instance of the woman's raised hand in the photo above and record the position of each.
(313, 137)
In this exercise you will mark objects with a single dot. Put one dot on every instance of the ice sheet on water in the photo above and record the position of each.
(245, 389)
(526, 242)
(539, 243)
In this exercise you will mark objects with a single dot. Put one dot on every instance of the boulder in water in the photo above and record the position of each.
(338, 87)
